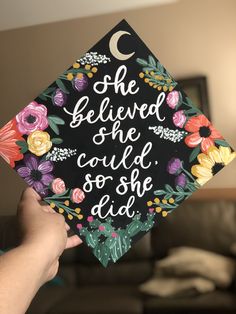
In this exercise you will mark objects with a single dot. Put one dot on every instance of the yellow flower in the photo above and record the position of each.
(70, 216)
(164, 201)
(158, 209)
(165, 88)
(76, 65)
(164, 213)
(211, 162)
(87, 67)
(52, 205)
(39, 143)
(94, 70)
(77, 210)
(149, 203)
(141, 75)
(156, 200)
(90, 75)
(146, 80)
(80, 216)
(66, 202)
(70, 76)
(171, 200)
(61, 210)
(79, 75)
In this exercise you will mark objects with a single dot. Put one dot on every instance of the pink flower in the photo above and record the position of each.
(77, 195)
(101, 228)
(172, 99)
(151, 210)
(58, 186)
(33, 117)
(179, 118)
(90, 218)
(79, 226)
(114, 235)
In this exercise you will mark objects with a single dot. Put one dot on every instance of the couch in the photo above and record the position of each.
(207, 220)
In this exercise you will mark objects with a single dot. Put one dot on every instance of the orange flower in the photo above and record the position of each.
(203, 133)
(9, 150)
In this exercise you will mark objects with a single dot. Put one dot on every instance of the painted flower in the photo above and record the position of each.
(90, 218)
(77, 195)
(80, 82)
(179, 118)
(59, 98)
(101, 228)
(211, 162)
(39, 143)
(33, 117)
(114, 235)
(172, 99)
(181, 180)
(174, 165)
(58, 186)
(9, 150)
(36, 173)
(203, 133)
(79, 226)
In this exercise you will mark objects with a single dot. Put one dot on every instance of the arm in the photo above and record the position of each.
(24, 269)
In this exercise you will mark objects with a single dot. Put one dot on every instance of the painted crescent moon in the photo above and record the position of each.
(113, 45)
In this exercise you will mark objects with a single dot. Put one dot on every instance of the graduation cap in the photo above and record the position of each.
(114, 144)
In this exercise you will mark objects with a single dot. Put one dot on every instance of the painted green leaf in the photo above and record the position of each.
(221, 142)
(53, 126)
(49, 90)
(41, 96)
(142, 62)
(23, 146)
(159, 192)
(62, 86)
(168, 188)
(194, 153)
(179, 198)
(57, 140)
(56, 120)
(152, 61)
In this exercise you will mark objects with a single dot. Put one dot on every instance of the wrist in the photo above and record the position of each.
(44, 263)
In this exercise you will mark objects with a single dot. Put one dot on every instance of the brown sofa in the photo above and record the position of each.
(206, 221)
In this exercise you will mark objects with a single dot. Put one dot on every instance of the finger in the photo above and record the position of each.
(73, 241)
(67, 227)
(30, 194)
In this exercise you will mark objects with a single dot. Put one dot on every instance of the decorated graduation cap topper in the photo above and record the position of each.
(114, 144)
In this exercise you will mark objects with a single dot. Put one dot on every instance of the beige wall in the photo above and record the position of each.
(189, 37)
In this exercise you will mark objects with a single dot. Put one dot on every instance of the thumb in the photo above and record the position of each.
(29, 194)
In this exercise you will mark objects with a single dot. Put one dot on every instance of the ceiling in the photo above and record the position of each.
(21, 13)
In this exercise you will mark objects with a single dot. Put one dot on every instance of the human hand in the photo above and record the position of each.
(44, 232)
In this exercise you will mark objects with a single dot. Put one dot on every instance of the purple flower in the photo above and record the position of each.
(59, 98)
(80, 83)
(174, 165)
(37, 173)
(181, 180)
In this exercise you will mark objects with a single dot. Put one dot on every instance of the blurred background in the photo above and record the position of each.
(196, 41)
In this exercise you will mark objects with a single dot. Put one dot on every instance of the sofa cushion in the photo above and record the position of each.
(47, 297)
(220, 302)
(130, 272)
(101, 300)
(209, 225)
